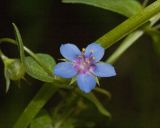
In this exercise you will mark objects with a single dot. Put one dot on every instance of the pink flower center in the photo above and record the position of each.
(84, 64)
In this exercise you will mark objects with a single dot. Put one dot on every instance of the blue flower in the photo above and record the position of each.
(85, 65)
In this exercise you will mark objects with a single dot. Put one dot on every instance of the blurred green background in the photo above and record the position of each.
(45, 25)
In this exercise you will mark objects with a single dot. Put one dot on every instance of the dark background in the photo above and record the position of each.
(45, 24)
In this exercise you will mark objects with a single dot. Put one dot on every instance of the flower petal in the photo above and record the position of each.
(86, 82)
(96, 50)
(65, 70)
(70, 51)
(104, 70)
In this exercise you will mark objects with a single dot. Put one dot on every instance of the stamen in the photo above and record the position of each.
(84, 63)
(93, 57)
(83, 49)
(92, 51)
(88, 61)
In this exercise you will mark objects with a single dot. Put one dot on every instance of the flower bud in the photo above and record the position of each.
(14, 69)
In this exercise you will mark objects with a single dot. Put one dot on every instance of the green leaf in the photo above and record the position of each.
(36, 71)
(20, 43)
(124, 7)
(42, 121)
(155, 35)
(91, 97)
(104, 92)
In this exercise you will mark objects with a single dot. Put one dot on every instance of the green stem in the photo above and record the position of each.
(41, 98)
(129, 25)
(128, 41)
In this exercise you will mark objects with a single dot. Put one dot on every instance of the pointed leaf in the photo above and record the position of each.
(91, 97)
(4, 58)
(124, 7)
(36, 71)
(104, 92)
(72, 80)
(97, 81)
(19, 43)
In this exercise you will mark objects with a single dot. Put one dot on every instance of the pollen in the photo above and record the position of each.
(92, 51)
(83, 49)
(88, 61)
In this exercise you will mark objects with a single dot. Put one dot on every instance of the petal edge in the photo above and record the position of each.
(96, 50)
(86, 82)
(69, 51)
(104, 70)
(65, 70)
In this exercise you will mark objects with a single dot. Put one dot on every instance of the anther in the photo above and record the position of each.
(92, 51)
(88, 61)
(83, 49)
